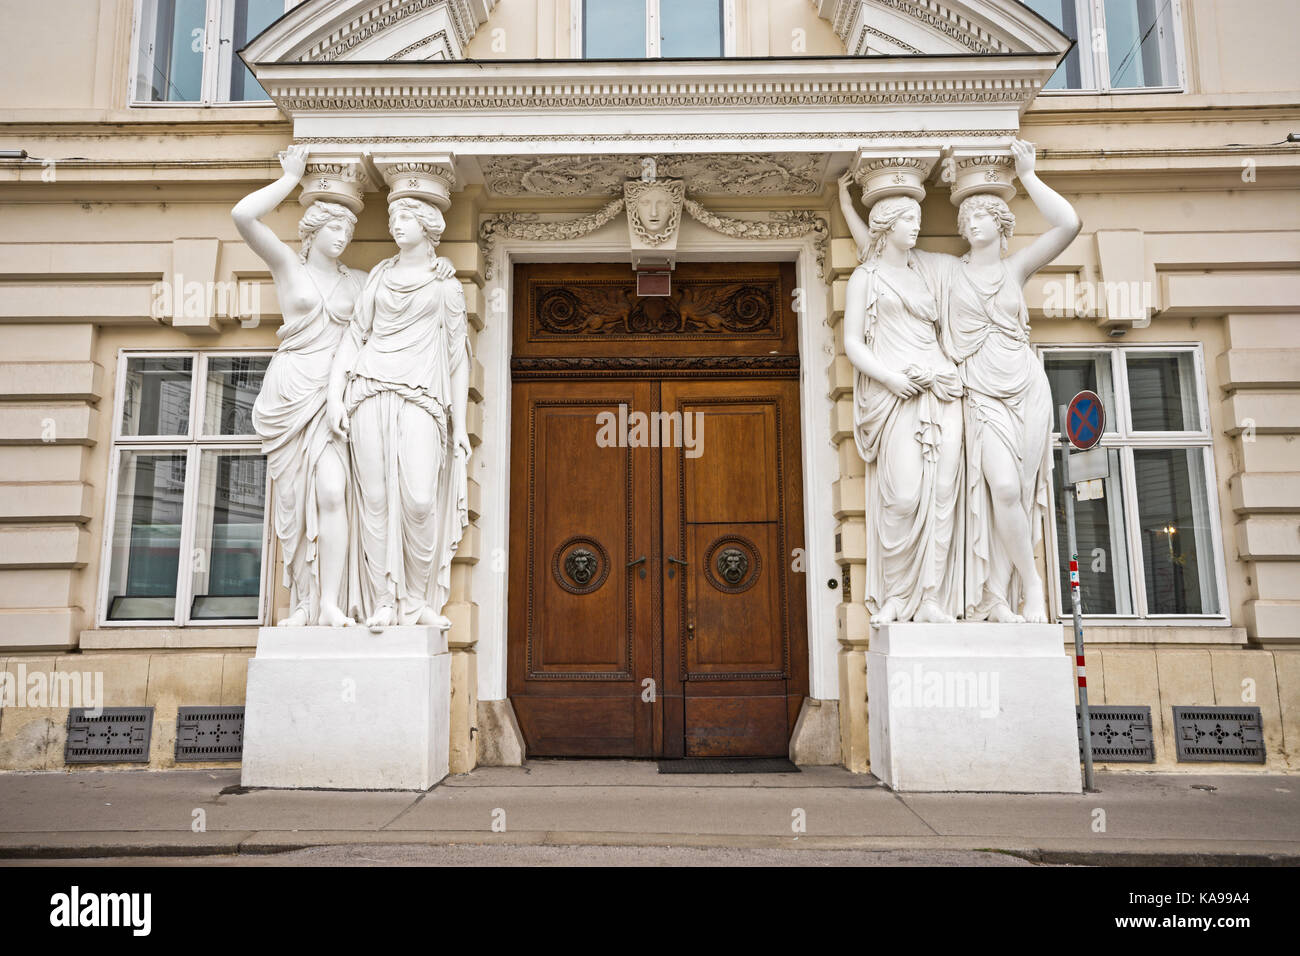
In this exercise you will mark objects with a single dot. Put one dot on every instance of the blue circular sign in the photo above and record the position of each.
(1085, 420)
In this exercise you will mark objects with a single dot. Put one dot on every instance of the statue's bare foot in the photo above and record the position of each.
(1035, 607)
(931, 613)
(297, 619)
(382, 618)
(1001, 614)
(440, 621)
(887, 614)
(331, 616)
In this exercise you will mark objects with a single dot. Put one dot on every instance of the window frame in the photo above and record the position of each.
(217, 16)
(1094, 64)
(578, 37)
(1121, 436)
(195, 444)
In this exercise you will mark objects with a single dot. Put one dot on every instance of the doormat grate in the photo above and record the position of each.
(209, 733)
(117, 735)
(1119, 734)
(1230, 734)
(728, 765)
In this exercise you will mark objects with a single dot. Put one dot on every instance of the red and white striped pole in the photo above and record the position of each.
(1067, 489)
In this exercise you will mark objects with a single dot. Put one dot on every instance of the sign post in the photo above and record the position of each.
(1082, 424)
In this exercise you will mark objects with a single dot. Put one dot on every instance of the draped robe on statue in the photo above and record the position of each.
(913, 544)
(1008, 410)
(411, 339)
(289, 416)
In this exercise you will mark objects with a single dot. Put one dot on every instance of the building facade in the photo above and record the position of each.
(617, 593)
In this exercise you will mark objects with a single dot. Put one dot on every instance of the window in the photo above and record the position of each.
(186, 50)
(1149, 545)
(1122, 44)
(188, 487)
(632, 29)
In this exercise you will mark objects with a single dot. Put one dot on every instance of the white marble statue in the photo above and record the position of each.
(309, 469)
(1007, 403)
(398, 392)
(907, 418)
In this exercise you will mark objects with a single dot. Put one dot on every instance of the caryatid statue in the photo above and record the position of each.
(309, 467)
(399, 390)
(1007, 404)
(907, 412)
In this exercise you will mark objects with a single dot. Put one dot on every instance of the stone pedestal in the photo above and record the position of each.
(972, 707)
(348, 709)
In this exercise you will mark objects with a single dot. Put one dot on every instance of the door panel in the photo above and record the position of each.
(581, 622)
(734, 614)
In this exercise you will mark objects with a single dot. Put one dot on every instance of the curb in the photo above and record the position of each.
(260, 843)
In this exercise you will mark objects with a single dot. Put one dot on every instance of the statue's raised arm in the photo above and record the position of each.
(308, 466)
(1055, 208)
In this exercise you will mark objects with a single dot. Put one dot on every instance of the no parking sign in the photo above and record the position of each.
(1085, 420)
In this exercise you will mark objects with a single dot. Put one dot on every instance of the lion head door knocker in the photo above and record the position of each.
(654, 217)
(732, 564)
(580, 565)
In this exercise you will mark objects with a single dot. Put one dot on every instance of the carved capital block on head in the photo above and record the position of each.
(343, 180)
(424, 176)
(895, 173)
(984, 173)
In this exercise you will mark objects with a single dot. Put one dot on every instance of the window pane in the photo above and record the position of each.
(232, 387)
(1162, 392)
(1063, 14)
(250, 17)
(146, 536)
(170, 67)
(1069, 373)
(613, 29)
(1103, 550)
(1174, 523)
(156, 396)
(228, 538)
(690, 28)
(1140, 43)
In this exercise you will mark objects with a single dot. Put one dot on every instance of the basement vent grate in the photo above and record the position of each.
(209, 733)
(1233, 734)
(115, 735)
(1119, 734)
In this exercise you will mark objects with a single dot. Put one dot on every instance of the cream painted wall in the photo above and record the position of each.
(1243, 47)
(54, 52)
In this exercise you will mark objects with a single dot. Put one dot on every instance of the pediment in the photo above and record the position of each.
(938, 27)
(325, 31)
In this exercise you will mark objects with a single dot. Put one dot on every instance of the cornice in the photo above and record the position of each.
(692, 96)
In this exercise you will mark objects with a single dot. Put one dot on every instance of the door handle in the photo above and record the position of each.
(690, 630)
(671, 562)
(633, 564)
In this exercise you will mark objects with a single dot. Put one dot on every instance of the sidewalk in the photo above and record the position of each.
(1147, 818)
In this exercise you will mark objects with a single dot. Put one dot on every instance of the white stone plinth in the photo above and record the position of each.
(349, 709)
(972, 707)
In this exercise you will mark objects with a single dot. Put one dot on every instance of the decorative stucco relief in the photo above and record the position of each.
(785, 224)
(528, 225)
(730, 174)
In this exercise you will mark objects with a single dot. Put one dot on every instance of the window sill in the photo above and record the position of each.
(1145, 633)
(168, 637)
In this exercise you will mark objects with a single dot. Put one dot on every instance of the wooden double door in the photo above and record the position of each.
(656, 588)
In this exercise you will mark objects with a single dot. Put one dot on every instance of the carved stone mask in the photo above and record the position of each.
(654, 209)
